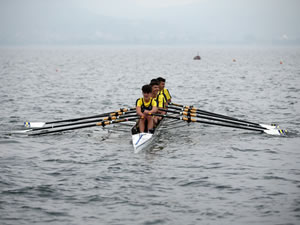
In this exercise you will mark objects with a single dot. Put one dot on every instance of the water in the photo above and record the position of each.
(196, 174)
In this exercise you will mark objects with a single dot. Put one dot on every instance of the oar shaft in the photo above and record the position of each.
(213, 118)
(100, 123)
(195, 110)
(188, 119)
(222, 124)
(61, 130)
(95, 116)
(84, 122)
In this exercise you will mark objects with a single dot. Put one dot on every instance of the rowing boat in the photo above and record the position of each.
(142, 141)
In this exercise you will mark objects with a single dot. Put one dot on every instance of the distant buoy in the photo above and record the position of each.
(281, 62)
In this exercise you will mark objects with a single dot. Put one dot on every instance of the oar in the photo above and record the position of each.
(100, 123)
(188, 114)
(195, 110)
(42, 124)
(78, 123)
(270, 130)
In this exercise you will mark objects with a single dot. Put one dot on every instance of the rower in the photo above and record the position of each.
(159, 98)
(145, 107)
(164, 90)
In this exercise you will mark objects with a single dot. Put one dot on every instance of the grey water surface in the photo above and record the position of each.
(196, 174)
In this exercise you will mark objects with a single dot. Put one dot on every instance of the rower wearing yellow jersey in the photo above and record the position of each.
(164, 90)
(159, 98)
(145, 107)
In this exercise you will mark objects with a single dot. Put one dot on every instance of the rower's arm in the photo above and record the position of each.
(139, 111)
(153, 110)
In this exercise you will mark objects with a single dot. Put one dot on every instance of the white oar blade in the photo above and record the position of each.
(34, 124)
(20, 131)
(274, 130)
(268, 126)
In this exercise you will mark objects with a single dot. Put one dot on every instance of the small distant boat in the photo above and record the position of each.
(197, 57)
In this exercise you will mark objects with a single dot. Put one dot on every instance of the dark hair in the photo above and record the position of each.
(154, 82)
(160, 79)
(147, 88)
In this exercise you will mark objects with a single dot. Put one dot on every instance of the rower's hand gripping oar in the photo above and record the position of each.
(42, 124)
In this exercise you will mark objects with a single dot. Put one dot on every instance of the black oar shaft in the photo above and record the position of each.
(61, 130)
(188, 119)
(83, 122)
(91, 117)
(186, 108)
(100, 123)
(222, 124)
(208, 117)
(225, 117)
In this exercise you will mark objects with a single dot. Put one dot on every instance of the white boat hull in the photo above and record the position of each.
(143, 141)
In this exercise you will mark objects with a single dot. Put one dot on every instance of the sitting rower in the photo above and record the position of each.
(159, 98)
(164, 90)
(145, 107)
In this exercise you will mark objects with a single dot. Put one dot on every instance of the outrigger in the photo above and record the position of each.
(144, 141)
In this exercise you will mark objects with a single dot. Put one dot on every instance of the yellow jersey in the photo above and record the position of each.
(146, 105)
(160, 100)
(166, 94)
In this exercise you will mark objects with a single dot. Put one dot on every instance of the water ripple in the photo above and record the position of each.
(195, 174)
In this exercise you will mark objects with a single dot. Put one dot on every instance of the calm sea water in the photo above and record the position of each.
(195, 174)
